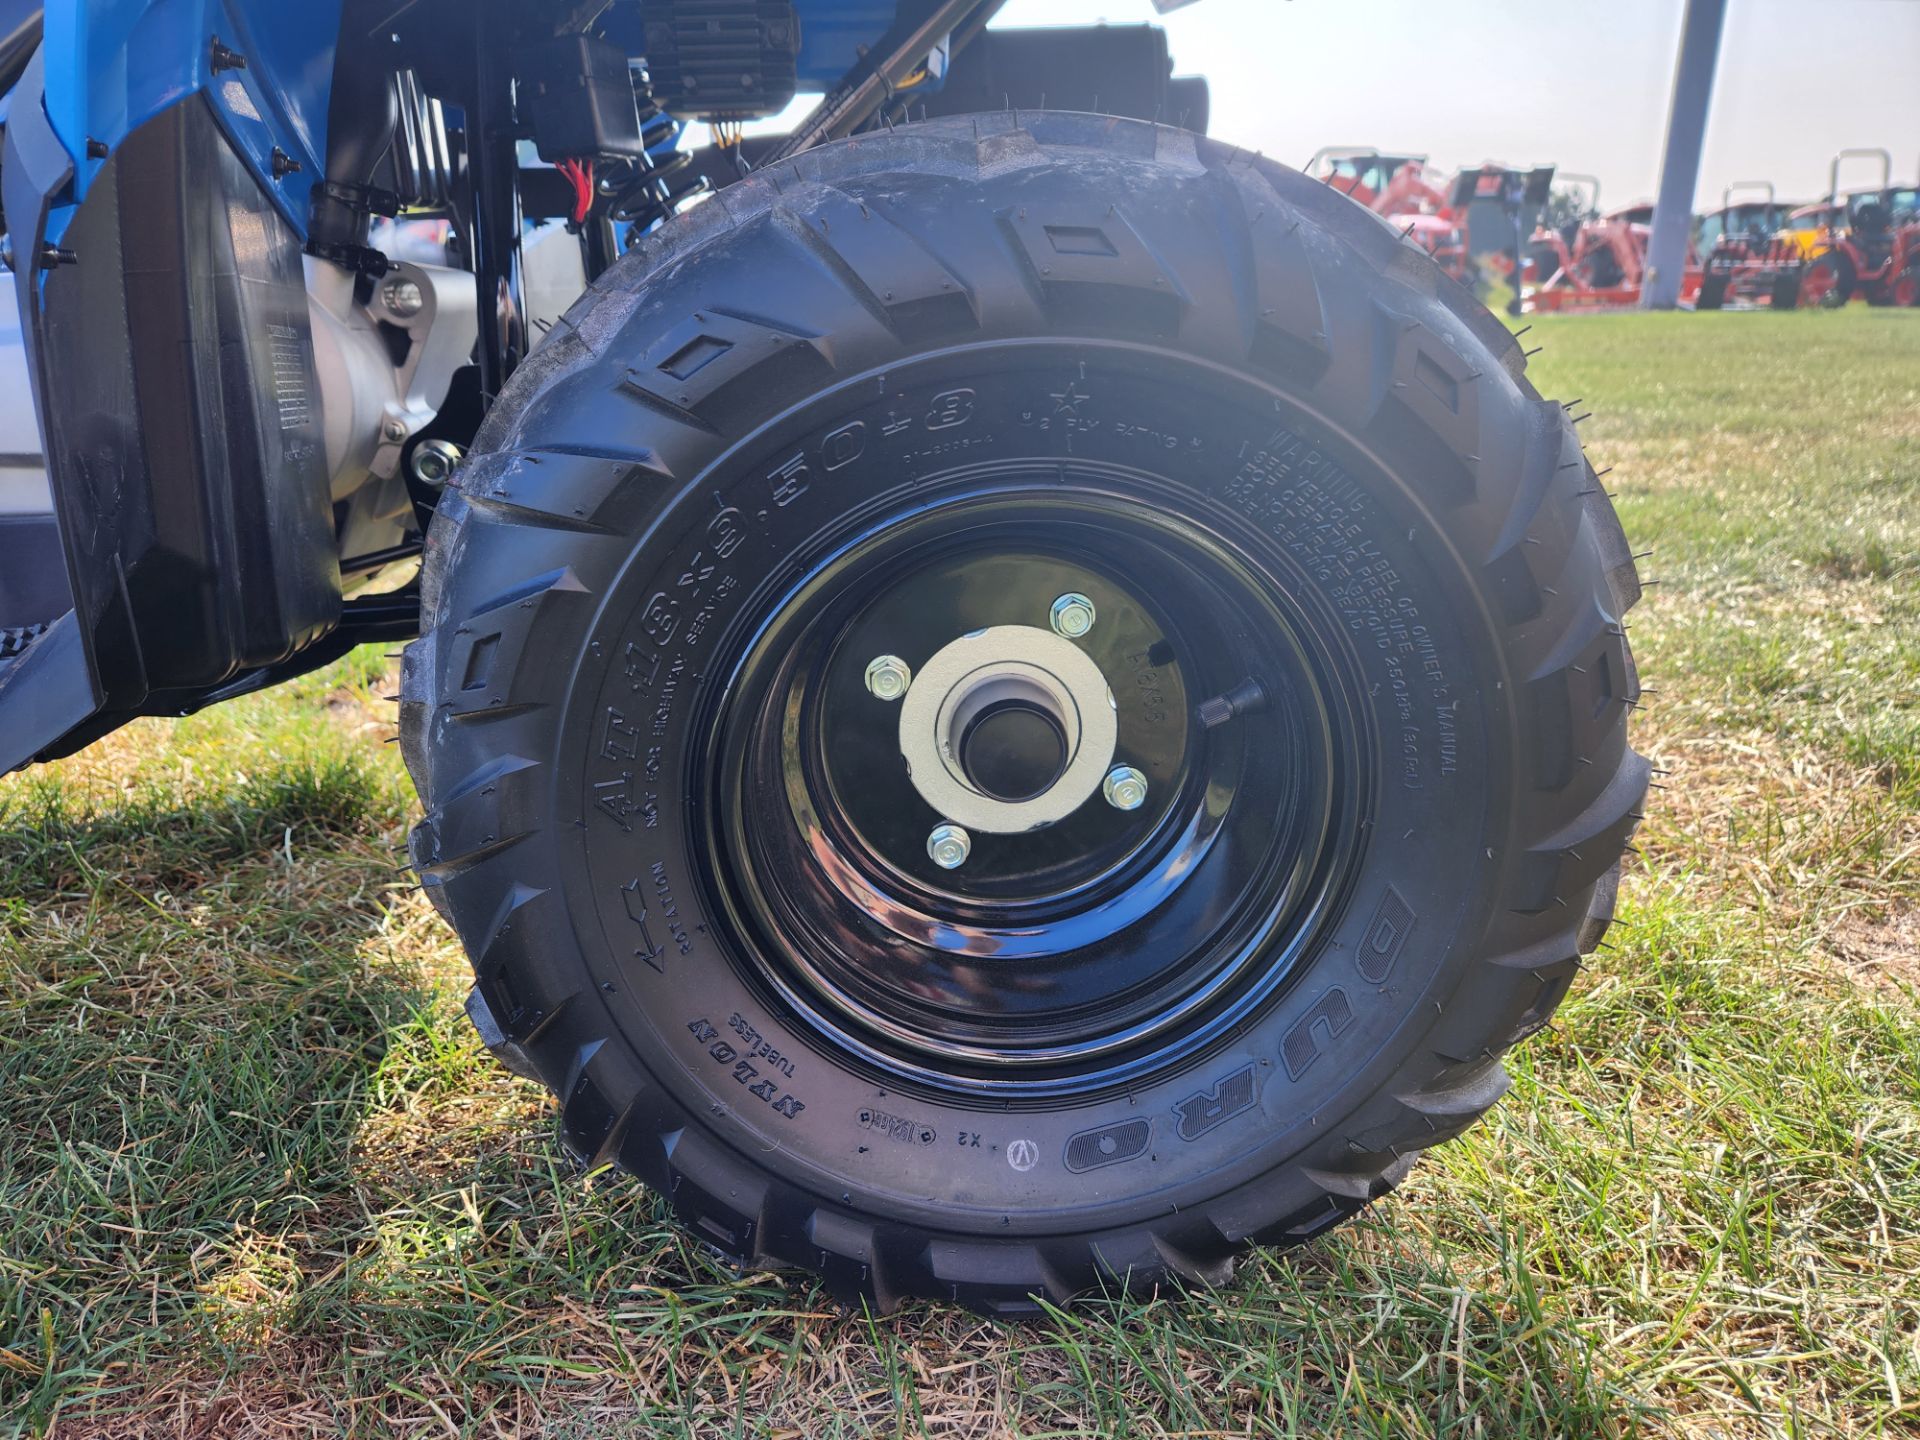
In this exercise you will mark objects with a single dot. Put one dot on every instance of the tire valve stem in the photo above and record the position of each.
(1246, 698)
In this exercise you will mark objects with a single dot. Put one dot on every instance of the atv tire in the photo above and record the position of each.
(912, 386)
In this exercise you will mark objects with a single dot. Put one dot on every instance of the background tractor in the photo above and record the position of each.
(1804, 234)
(1574, 205)
(1606, 265)
(1751, 220)
(1862, 243)
(1500, 204)
(1741, 241)
(1400, 188)
(1870, 246)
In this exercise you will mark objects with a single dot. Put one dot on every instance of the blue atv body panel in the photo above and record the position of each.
(111, 65)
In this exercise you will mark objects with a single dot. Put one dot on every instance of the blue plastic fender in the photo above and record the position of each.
(111, 65)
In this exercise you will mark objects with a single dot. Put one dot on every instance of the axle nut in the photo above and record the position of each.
(948, 846)
(1072, 615)
(434, 462)
(888, 677)
(1125, 788)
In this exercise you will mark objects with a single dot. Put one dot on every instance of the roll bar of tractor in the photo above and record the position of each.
(1886, 170)
(1726, 196)
(1589, 183)
(1339, 152)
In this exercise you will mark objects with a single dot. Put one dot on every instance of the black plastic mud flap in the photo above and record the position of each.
(174, 376)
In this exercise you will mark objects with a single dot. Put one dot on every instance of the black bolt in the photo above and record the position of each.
(222, 58)
(96, 149)
(283, 164)
(52, 257)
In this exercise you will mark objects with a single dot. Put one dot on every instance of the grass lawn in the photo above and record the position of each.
(256, 1176)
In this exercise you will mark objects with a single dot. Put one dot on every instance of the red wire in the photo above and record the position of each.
(580, 172)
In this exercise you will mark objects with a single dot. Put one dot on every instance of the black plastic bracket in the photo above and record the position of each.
(367, 199)
(361, 259)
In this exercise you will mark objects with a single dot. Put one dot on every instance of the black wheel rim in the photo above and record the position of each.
(1106, 948)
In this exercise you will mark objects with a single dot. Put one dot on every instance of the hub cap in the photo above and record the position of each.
(1008, 729)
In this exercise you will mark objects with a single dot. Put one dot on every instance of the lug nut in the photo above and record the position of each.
(1125, 788)
(948, 846)
(888, 678)
(1071, 616)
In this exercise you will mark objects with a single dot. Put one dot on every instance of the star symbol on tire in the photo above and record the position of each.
(1069, 401)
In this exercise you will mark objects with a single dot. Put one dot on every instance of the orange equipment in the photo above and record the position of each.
(1871, 247)
(1550, 249)
(1861, 243)
(1607, 264)
(1399, 188)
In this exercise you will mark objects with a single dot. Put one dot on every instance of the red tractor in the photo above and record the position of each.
(1606, 265)
(1871, 247)
(1743, 243)
(1863, 243)
(1744, 223)
(1400, 188)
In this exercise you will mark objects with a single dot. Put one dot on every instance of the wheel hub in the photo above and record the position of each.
(1014, 751)
(993, 814)
(1008, 729)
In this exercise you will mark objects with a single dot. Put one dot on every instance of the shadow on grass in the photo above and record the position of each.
(187, 1026)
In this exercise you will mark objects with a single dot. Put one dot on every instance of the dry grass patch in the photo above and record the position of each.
(1880, 948)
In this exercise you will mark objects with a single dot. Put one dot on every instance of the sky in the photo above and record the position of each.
(1583, 84)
